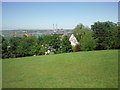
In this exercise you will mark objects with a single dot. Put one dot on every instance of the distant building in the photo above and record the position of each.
(73, 40)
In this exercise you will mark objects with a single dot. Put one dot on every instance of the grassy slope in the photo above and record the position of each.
(93, 69)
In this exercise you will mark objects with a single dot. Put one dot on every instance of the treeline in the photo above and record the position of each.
(29, 46)
(101, 36)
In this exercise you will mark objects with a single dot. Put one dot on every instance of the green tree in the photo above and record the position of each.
(87, 42)
(52, 41)
(5, 53)
(28, 46)
(104, 32)
(13, 45)
(80, 30)
(66, 46)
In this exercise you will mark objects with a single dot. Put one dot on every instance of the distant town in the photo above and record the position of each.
(34, 32)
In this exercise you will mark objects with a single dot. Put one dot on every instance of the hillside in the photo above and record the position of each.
(93, 69)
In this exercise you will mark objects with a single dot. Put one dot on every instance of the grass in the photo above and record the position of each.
(93, 69)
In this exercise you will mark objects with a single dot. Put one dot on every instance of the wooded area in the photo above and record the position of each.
(101, 36)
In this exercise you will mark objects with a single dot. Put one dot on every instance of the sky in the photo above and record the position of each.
(42, 15)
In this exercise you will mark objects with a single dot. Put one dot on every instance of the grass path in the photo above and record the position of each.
(93, 69)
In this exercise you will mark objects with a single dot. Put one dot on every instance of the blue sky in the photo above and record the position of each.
(42, 15)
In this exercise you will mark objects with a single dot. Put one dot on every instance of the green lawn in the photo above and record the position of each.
(93, 69)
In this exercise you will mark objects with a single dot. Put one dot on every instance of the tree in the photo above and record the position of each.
(4, 48)
(87, 42)
(28, 47)
(104, 33)
(13, 45)
(80, 30)
(114, 38)
(52, 41)
(66, 46)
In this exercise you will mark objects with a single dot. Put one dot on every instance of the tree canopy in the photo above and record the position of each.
(106, 34)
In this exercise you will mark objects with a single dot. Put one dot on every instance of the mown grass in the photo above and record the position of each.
(93, 69)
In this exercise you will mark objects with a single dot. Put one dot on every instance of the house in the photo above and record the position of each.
(73, 40)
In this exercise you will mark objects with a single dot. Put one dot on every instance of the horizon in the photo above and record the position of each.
(30, 29)
(39, 15)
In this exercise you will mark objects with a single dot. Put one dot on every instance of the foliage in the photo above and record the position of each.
(55, 43)
(87, 42)
(66, 46)
(29, 46)
(4, 48)
(52, 42)
(106, 34)
(80, 30)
